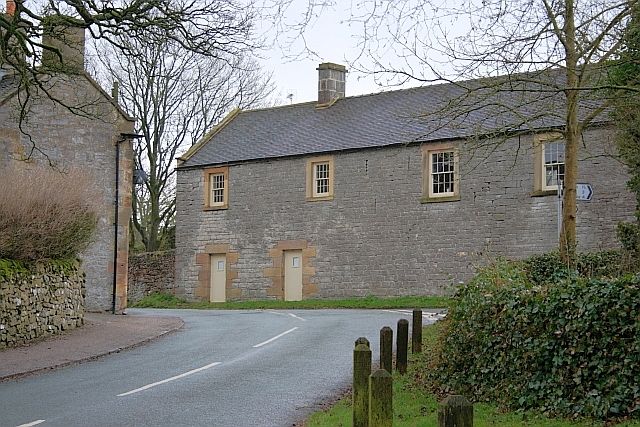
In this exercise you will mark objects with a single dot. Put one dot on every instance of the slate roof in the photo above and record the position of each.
(424, 114)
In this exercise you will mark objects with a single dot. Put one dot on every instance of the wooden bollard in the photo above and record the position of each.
(361, 372)
(380, 399)
(386, 349)
(363, 340)
(455, 411)
(402, 342)
(416, 332)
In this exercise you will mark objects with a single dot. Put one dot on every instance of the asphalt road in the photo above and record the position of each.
(224, 368)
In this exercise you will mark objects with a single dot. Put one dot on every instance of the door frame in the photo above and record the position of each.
(203, 262)
(275, 273)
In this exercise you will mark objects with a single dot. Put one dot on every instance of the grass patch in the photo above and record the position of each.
(161, 300)
(414, 407)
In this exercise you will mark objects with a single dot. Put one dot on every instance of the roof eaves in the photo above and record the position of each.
(95, 84)
(108, 97)
(8, 96)
(217, 128)
(12, 92)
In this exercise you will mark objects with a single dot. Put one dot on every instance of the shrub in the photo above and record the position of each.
(571, 348)
(629, 236)
(45, 214)
(548, 268)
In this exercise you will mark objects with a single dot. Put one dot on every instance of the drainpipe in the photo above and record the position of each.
(115, 225)
(114, 95)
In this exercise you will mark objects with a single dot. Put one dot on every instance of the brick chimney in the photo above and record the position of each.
(331, 82)
(13, 51)
(68, 40)
(11, 7)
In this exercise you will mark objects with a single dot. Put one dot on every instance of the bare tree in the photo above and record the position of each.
(553, 56)
(218, 29)
(177, 96)
(208, 27)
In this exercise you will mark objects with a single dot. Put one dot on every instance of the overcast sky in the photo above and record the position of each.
(328, 39)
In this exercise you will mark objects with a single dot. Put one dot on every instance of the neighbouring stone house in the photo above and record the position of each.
(85, 129)
(356, 196)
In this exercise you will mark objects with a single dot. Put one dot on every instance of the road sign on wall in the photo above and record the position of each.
(584, 192)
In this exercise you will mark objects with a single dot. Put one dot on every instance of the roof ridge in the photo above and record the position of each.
(419, 87)
(387, 117)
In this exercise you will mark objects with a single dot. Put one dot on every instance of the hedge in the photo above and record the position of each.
(569, 348)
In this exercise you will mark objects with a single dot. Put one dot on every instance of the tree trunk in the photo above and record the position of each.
(572, 138)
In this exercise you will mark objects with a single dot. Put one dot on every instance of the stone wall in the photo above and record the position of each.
(150, 273)
(44, 299)
(376, 237)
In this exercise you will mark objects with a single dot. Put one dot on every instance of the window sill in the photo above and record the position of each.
(544, 193)
(431, 199)
(215, 208)
(319, 199)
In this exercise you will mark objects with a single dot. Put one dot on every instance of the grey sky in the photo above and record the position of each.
(329, 38)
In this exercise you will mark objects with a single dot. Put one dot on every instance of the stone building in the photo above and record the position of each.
(84, 128)
(356, 196)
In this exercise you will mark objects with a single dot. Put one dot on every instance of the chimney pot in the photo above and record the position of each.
(11, 7)
(331, 82)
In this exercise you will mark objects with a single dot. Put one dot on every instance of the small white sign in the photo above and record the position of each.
(584, 192)
(296, 262)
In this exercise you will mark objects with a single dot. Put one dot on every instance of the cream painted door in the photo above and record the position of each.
(218, 278)
(292, 275)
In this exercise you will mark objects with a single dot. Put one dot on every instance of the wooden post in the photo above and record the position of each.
(402, 342)
(363, 340)
(416, 331)
(455, 411)
(361, 372)
(380, 399)
(386, 349)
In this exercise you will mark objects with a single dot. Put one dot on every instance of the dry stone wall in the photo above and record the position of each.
(150, 273)
(40, 300)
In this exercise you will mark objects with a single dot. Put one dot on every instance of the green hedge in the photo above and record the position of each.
(569, 348)
(549, 268)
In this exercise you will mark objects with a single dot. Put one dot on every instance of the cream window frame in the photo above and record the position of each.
(540, 166)
(312, 178)
(428, 195)
(321, 181)
(209, 176)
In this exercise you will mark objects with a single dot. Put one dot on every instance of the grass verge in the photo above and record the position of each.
(414, 407)
(161, 300)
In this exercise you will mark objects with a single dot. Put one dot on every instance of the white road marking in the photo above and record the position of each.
(286, 314)
(297, 317)
(32, 423)
(276, 312)
(148, 386)
(425, 315)
(275, 338)
(398, 311)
